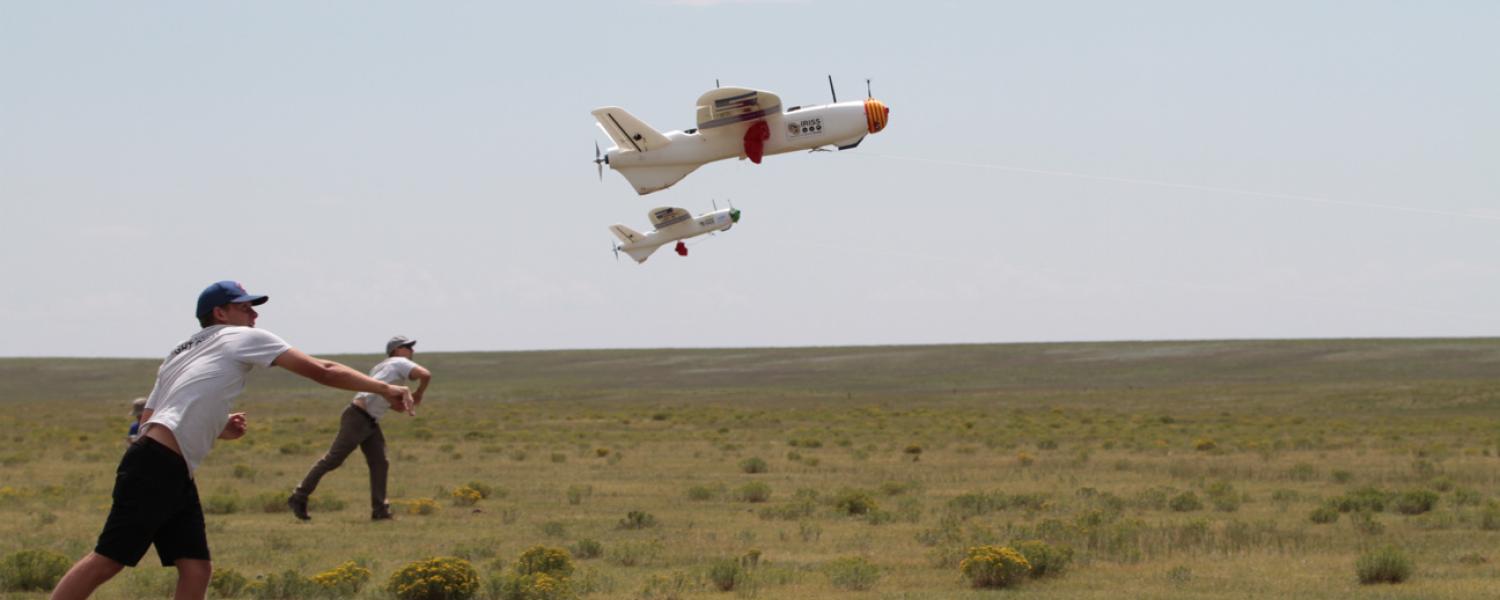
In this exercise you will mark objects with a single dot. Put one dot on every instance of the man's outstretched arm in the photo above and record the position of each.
(335, 375)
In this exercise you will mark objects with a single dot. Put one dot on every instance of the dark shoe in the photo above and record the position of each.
(299, 507)
(382, 514)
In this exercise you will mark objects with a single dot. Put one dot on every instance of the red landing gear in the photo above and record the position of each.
(681, 248)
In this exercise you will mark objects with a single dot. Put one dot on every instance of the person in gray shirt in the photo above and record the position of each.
(359, 426)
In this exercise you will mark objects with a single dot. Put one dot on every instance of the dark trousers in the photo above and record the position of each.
(356, 428)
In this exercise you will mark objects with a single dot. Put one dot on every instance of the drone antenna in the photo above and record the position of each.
(830, 89)
(868, 94)
(716, 83)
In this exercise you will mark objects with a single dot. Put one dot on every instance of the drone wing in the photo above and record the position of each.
(726, 106)
(667, 216)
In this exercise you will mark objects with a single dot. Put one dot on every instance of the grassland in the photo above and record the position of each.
(1092, 446)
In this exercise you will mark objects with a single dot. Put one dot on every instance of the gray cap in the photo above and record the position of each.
(397, 342)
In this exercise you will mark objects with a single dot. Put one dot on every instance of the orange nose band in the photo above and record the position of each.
(876, 115)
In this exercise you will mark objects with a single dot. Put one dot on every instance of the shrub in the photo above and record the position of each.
(637, 520)
(32, 570)
(727, 574)
(854, 502)
(484, 489)
(555, 562)
(1323, 515)
(701, 493)
(993, 567)
(854, 574)
(532, 586)
(465, 496)
(287, 585)
(1341, 476)
(1045, 559)
(554, 529)
(1025, 458)
(753, 465)
(421, 506)
(227, 583)
(755, 491)
(587, 548)
(576, 493)
(1302, 472)
(439, 578)
(1384, 565)
(630, 554)
(1185, 502)
(1204, 444)
(1416, 502)
(342, 581)
(221, 504)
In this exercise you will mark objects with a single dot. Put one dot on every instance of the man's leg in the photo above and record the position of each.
(374, 450)
(193, 577)
(353, 428)
(87, 575)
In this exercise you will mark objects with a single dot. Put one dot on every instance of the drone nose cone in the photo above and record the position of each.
(876, 115)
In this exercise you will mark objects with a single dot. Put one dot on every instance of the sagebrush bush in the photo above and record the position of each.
(32, 570)
(421, 506)
(753, 465)
(853, 573)
(286, 585)
(465, 496)
(530, 586)
(726, 574)
(227, 583)
(854, 502)
(1323, 515)
(636, 519)
(555, 562)
(1387, 564)
(439, 578)
(587, 548)
(993, 567)
(755, 491)
(343, 581)
(1415, 502)
(1185, 502)
(1045, 559)
(484, 489)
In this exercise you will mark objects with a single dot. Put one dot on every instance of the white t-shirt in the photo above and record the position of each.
(197, 384)
(393, 370)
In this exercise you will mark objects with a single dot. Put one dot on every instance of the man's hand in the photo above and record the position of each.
(399, 396)
(235, 428)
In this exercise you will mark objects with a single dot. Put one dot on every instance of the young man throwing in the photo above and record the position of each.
(155, 497)
(360, 426)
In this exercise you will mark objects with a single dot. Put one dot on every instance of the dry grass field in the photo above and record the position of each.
(1170, 469)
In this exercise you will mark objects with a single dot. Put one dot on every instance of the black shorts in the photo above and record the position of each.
(155, 502)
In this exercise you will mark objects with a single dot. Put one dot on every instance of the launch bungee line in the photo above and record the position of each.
(1186, 186)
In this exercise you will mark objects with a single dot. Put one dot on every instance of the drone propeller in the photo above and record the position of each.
(600, 160)
(616, 248)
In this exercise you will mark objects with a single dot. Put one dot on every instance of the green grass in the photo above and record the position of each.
(1083, 446)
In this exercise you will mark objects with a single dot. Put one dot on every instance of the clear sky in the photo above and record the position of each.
(1052, 171)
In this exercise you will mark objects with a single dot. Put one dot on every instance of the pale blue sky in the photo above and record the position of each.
(1052, 171)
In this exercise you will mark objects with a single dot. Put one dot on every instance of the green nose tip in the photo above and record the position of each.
(734, 215)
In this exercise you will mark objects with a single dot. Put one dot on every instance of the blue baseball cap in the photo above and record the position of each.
(226, 292)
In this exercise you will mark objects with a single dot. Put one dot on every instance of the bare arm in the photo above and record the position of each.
(424, 377)
(335, 375)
